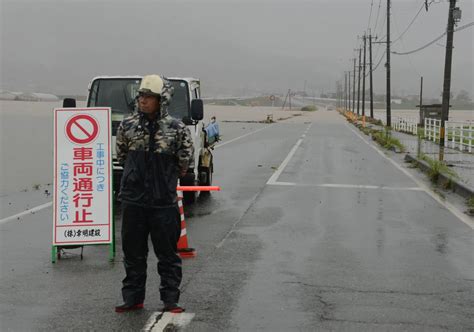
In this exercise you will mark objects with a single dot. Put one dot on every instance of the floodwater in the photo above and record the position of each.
(26, 138)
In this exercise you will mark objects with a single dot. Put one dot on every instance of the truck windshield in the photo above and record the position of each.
(119, 94)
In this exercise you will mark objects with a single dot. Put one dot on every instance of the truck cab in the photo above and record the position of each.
(119, 93)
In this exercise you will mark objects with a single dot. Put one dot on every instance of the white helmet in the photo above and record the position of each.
(151, 84)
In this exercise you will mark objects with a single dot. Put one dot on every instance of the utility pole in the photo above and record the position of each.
(358, 83)
(447, 70)
(289, 97)
(371, 79)
(418, 147)
(345, 90)
(284, 102)
(363, 75)
(349, 89)
(354, 87)
(421, 99)
(387, 65)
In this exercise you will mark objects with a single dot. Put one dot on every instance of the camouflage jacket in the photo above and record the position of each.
(153, 153)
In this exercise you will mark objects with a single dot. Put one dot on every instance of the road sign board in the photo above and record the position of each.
(82, 203)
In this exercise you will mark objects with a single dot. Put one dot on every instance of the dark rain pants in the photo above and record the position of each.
(163, 225)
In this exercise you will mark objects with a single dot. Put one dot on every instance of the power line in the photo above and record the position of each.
(433, 41)
(377, 19)
(403, 44)
(409, 25)
(377, 33)
(379, 62)
(370, 16)
(409, 60)
(382, 27)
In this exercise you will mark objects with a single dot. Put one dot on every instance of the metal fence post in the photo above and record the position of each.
(470, 138)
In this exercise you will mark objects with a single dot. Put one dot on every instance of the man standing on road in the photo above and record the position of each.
(154, 150)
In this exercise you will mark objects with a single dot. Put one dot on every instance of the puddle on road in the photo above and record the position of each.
(440, 241)
(205, 205)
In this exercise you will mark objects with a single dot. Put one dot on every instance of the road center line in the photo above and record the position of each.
(450, 207)
(159, 321)
(237, 138)
(273, 179)
(27, 212)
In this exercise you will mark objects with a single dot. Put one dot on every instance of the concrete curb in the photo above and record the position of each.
(457, 187)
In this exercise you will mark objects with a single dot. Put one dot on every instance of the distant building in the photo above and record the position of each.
(27, 96)
(46, 96)
(7, 95)
(413, 98)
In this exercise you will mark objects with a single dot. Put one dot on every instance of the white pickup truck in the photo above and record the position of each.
(119, 93)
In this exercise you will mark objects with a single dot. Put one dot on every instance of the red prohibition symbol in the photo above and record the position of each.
(82, 129)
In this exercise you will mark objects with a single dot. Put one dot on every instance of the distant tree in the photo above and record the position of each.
(379, 98)
(451, 95)
(463, 97)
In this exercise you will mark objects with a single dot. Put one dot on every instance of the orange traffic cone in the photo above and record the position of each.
(183, 250)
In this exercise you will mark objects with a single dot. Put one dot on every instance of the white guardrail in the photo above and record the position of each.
(405, 125)
(458, 135)
(432, 128)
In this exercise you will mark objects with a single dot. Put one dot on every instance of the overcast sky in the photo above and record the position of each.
(235, 47)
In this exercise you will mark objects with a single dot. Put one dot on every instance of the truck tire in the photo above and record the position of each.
(209, 174)
(189, 197)
(205, 177)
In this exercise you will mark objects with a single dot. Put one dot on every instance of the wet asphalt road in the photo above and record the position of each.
(341, 240)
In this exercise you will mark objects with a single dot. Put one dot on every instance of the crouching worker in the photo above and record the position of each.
(212, 131)
(154, 150)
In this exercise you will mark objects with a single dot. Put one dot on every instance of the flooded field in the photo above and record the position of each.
(454, 115)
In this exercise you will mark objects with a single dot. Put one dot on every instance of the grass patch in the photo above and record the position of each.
(368, 131)
(421, 133)
(438, 167)
(365, 130)
(374, 121)
(387, 141)
(470, 206)
(470, 202)
(382, 137)
(249, 102)
(309, 108)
